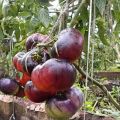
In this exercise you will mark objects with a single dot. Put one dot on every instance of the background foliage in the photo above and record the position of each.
(20, 18)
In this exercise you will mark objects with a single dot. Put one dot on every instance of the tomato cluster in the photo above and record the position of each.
(48, 74)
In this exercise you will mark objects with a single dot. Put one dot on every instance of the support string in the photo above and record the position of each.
(93, 40)
(88, 51)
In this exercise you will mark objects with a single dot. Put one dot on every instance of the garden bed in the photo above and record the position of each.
(108, 75)
(26, 110)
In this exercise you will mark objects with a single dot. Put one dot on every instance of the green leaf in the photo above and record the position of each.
(1, 35)
(116, 10)
(102, 31)
(100, 4)
(24, 14)
(5, 8)
(44, 1)
(34, 21)
(116, 5)
(1, 3)
(44, 17)
(117, 28)
(22, 28)
(116, 15)
(13, 10)
(21, 43)
(84, 15)
(9, 9)
(61, 2)
(85, 42)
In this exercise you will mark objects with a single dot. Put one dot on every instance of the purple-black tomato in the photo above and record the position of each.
(34, 94)
(30, 61)
(34, 39)
(54, 75)
(65, 108)
(9, 86)
(69, 45)
(33, 58)
(23, 79)
(17, 61)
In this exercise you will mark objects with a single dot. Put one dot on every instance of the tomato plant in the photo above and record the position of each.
(22, 21)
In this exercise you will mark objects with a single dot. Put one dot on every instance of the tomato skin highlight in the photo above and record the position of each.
(54, 75)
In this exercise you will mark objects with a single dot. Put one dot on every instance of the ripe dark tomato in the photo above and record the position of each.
(54, 75)
(17, 61)
(65, 108)
(34, 94)
(34, 39)
(31, 60)
(69, 45)
(9, 86)
(22, 80)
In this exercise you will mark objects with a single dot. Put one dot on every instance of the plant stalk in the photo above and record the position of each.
(73, 21)
(101, 86)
